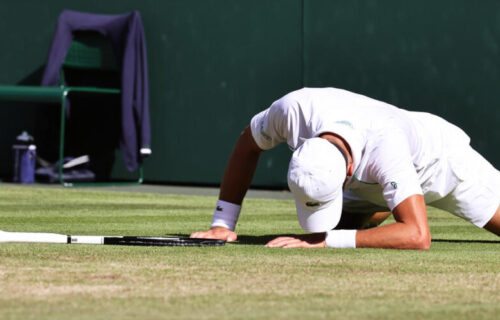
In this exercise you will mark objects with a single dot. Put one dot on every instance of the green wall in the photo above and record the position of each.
(437, 56)
(213, 64)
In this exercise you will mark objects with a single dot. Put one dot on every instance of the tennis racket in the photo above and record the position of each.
(37, 237)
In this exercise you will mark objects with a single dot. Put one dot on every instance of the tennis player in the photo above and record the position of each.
(355, 161)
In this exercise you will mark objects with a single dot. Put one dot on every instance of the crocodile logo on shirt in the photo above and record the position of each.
(345, 123)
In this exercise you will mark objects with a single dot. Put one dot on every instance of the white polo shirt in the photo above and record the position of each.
(396, 153)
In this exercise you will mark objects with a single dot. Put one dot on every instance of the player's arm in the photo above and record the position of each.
(394, 170)
(240, 168)
(235, 183)
(410, 231)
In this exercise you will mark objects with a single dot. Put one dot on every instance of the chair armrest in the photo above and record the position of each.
(31, 93)
(92, 90)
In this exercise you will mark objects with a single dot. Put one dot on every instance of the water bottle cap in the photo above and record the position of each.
(25, 137)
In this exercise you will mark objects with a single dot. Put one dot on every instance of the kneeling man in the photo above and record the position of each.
(355, 161)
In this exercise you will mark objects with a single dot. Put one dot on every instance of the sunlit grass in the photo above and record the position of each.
(244, 280)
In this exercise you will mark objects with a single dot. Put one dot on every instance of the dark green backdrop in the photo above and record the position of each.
(213, 64)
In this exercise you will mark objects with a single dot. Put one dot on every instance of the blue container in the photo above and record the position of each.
(24, 159)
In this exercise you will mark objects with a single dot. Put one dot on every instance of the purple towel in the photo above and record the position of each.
(126, 35)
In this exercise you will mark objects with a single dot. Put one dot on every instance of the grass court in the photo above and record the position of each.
(457, 279)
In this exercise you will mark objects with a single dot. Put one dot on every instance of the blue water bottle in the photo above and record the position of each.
(24, 158)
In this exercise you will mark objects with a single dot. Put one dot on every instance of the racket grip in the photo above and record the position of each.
(32, 237)
(86, 239)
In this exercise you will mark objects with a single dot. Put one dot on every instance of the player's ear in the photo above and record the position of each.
(350, 169)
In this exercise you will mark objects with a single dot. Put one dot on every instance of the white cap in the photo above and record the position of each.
(316, 174)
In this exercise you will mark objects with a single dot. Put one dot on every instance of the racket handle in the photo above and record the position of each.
(86, 239)
(32, 237)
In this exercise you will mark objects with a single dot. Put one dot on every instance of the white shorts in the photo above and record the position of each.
(476, 197)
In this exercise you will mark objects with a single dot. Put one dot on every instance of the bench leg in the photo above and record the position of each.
(61, 156)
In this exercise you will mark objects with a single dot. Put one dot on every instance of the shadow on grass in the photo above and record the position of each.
(264, 239)
(244, 239)
(465, 241)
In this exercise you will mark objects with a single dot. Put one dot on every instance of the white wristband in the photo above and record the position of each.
(226, 215)
(341, 238)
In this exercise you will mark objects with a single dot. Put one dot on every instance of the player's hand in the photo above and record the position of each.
(216, 233)
(313, 240)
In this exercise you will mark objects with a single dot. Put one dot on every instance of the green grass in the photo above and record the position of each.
(238, 281)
